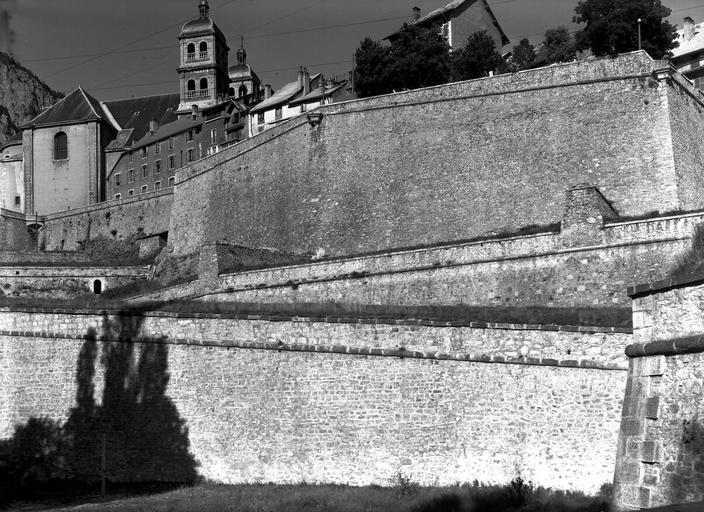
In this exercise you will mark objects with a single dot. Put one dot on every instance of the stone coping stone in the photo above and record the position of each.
(676, 346)
(681, 507)
(641, 290)
(324, 319)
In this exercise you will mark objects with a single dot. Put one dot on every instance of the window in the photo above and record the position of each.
(157, 185)
(130, 176)
(171, 143)
(60, 146)
(130, 158)
(130, 192)
(97, 286)
(18, 200)
(278, 113)
(260, 118)
(144, 152)
(117, 180)
(242, 91)
(171, 181)
(303, 107)
(172, 162)
(190, 154)
(118, 196)
(213, 136)
(231, 91)
(145, 172)
(189, 136)
(203, 47)
(191, 48)
(157, 166)
(144, 189)
(157, 148)
(203, 84)
(191, 85)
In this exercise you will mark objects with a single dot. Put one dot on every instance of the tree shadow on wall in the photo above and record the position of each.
(135, 429)
(686, 473)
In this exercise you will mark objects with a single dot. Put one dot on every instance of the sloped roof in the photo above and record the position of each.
(317, 94)
(239, 71)
(177, 126)
(282, 96)
(15, 140)
(447, 11)
(135, 113)
(77, 107)
(694, 44)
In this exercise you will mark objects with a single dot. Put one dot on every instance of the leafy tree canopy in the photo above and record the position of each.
(477, 58)
(612, 27)
(558, 46)
(417, 57)
(522, 55)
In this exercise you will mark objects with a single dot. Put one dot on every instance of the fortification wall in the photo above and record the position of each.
(590, 268)
(63, 282)
(441, 156)
(292, 399)
(117, 220)
(660, 457)
(13, 231)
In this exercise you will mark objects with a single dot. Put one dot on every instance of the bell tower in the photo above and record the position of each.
(203, 77)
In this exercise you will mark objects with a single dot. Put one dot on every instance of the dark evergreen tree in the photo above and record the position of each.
(417, 57)
(558, 46)
(477, 58)
(523, 55)
(612, 27)
(371, 59)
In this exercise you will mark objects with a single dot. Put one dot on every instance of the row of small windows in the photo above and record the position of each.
(145, 188)
(241, 92)
(144, 151)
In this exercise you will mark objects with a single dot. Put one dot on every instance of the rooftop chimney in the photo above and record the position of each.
(306, 81)
(300, 76)
(153, 126)
(267, 91)
(416, 14)
(688, 31)
(321, 86)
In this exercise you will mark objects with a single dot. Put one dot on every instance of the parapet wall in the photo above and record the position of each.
(285, 400)
(120, 219)
(660, 456)
(424, 166)
(587, 264)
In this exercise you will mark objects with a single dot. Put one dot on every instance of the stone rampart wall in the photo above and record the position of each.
(543, 269)
(660, 457)
(120, 219)
(440, 157)
(284, 400)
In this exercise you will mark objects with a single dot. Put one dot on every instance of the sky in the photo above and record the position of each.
(124, 48)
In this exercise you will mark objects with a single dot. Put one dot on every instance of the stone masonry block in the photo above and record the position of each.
(631, 472)
(652, 408)
(632, 427)
(642, 319)
(648, 366)
(651, 451)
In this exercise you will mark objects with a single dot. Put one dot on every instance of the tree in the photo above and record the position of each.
(370, 60)
(477, 58)
(523, 55)
(558, 46)
(612, 27)
(417, 57)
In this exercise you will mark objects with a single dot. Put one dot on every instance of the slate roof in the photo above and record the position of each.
(76, 107)
(447, 9)
(282, 96)
(169, 129)
(317, 94)
(135, 113)
(15, 140)
(694, 44)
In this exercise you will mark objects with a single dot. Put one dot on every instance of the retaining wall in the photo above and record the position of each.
(285, 400)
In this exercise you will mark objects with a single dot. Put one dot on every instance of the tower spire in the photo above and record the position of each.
(241, 53)
(203, 9)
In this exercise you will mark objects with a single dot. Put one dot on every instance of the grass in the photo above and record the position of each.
(517, 496)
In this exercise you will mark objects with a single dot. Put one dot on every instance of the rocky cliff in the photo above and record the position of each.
(22, 96)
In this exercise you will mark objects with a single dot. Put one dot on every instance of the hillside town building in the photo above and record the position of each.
(688, 57)
(457, 20)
